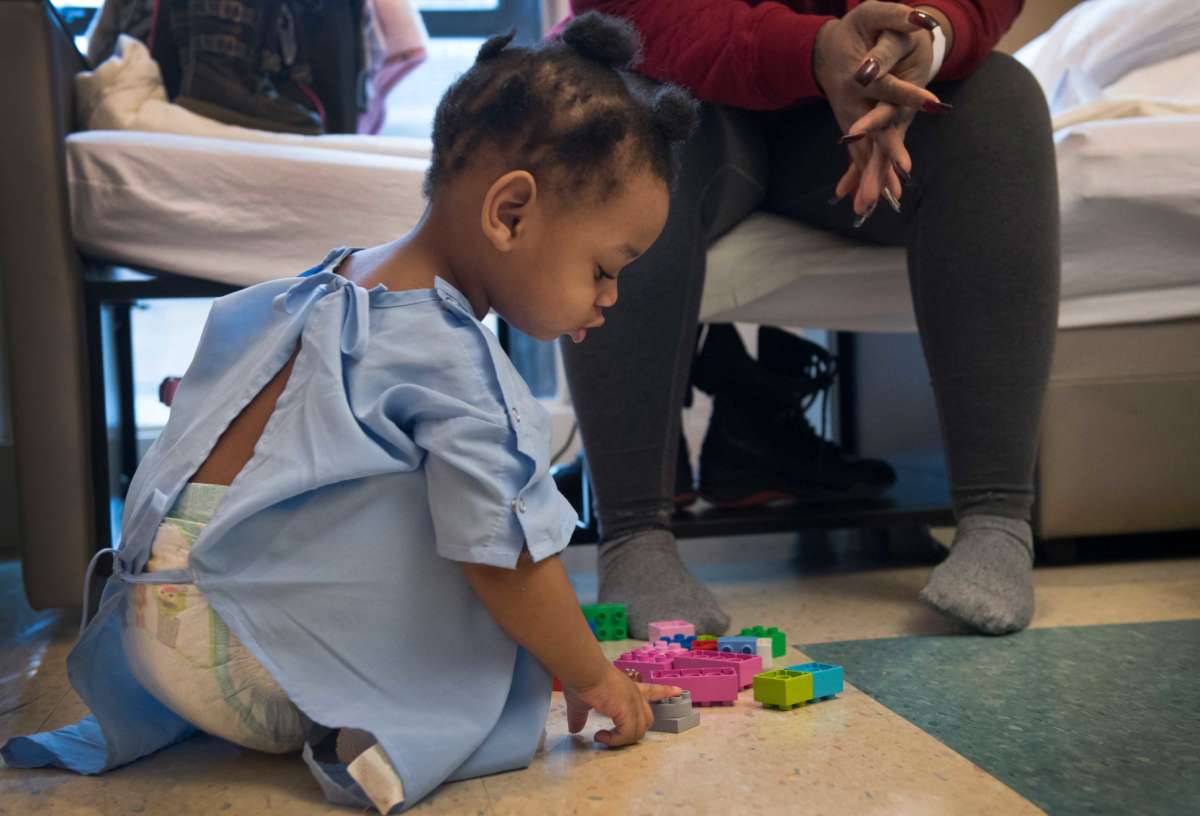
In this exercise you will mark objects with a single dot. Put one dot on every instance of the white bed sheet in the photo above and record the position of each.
(244, 212)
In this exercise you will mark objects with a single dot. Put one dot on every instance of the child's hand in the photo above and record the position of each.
(618, 697)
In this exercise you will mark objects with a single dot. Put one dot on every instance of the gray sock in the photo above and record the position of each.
(643, 570)
(987, 580)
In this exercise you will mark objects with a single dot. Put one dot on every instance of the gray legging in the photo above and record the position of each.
(980, 223)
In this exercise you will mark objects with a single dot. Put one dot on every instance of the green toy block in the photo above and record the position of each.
(707, 637)
(608, 621)
(783, 689)
(778, 639)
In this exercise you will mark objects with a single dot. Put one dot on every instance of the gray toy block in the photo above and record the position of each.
(678, 724)
(672, 707)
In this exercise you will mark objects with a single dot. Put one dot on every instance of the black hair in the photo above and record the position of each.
(566, 109)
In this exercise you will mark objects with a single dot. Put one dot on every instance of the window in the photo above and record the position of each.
(443, 18)
(165, 332)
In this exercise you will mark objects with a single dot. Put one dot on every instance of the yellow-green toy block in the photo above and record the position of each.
(783, 688)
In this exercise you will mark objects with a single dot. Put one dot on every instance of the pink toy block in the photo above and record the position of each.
(644, 663)
(668, 628)
(708, 686)
(747, 665)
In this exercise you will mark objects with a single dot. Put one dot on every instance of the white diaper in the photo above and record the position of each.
(185, 655)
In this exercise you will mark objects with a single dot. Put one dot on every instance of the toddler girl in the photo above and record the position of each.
(344, 540)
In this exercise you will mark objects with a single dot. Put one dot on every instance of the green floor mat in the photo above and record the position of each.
(1090, 719)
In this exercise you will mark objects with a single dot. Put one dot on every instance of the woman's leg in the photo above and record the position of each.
(980, 222)
(628, 379)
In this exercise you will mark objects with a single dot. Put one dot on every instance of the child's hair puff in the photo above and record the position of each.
(566, 109)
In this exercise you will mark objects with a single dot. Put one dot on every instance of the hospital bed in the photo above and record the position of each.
(93, 220)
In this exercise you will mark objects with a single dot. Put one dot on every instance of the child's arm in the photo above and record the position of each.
(536, 606)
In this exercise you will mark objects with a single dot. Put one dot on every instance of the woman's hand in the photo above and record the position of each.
(872, 65)
(616, 696)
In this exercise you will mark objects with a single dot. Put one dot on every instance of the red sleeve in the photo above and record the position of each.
(757, 57)
(978, 26)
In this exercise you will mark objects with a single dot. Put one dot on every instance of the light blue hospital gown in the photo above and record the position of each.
(405, 441)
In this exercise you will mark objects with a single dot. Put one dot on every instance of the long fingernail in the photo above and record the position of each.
(848, 138)
(902, 173)
(891, 199)
(867, 72)
(936, 107)
(862, 219)
(920, 18)
(834, 199)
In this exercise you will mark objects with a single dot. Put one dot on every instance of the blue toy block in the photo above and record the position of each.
(683, 640)
(828, 680)
(738, 645)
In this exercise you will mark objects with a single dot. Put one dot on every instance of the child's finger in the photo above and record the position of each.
(625, 733)
(653, 692)
(577, 716)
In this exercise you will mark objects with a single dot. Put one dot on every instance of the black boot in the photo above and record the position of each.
(760, 447)
(221, 57)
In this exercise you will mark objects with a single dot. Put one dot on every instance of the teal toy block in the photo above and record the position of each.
(783, 689)
(738, 645)
(778, 639)
(608, 621)
(828, 680)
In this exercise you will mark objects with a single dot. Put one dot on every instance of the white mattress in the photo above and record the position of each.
(240, 207)
(241, 212)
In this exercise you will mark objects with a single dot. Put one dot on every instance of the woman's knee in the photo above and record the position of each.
(1012, 87)
(1000, 118)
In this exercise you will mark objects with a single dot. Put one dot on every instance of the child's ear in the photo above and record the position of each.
(506, 208)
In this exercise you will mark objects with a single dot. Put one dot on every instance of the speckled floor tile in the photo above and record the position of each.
(203, 775)
(851, 755)
(1093, 719)
(846, 755)
(33, 649)
(816, 606)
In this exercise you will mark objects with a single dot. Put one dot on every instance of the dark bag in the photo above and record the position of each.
(296, 66)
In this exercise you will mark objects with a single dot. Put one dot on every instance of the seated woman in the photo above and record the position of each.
(972, 194)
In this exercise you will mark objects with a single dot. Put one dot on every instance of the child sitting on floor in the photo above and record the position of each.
(287, 577)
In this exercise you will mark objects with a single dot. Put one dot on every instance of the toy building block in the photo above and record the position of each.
(828, 680)
(673, 707)
(741, 645)
(778, 639)
(675, 714)
(671, 627)
(685, 641)
(783, 689)
(764, 651)
(706, 686)
(706, 637)
(704, 645)
(661, 647)
(747, 665)
(644, 662)
(608, 621)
